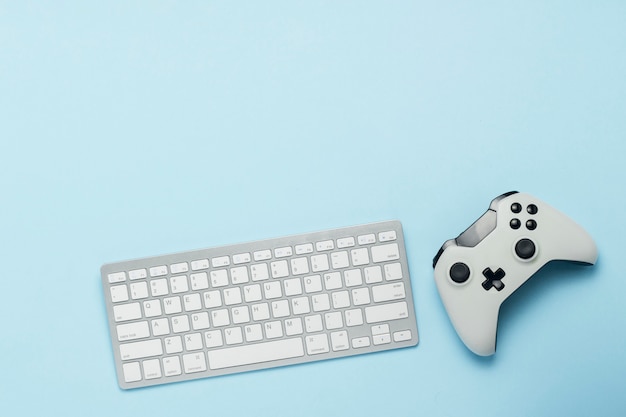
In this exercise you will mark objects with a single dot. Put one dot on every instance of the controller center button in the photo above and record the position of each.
(531, 225)
(525, 248)
(516, 207)
(515, 224)
(532, 209)
(459, 272)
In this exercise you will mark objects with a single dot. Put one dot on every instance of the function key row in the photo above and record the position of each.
(262, 255)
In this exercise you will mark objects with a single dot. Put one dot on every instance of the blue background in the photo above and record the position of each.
(131, 129)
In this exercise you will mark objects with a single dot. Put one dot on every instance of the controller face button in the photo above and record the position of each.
(531, 225)
(516, 207)
(525, 248)
(515, 224)
(459, 272)
(532, 209)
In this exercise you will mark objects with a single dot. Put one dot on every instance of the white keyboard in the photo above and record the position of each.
(258, 305)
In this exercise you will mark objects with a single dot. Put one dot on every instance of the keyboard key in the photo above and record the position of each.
(158, 287)
(380, 329)
(262, 255)
(386, 312)
(152, 369)
(299, 266)
(255, 353)
(119, 293)
(384, 253)
(172, 305)
(393, 271)
(373, 274)
(388, 292)
(193, 342)
(387, 236)
(283, 252)
(152, 308)
(160, 327)
(199, 281)
(220, 261)
(293, 326)
(233, 336)
(333, 320)
(253, 333)
(341, 299)
(239, 275)
(158, 271)
(117, 277)
(292, 286)
(360, 342)
(139, 290)
(219, 278)
(171, 366)
(316, 344)
(319, 263)
(339, 341)
(125, 312)
(137, 274)
(194, 362)
(259, 272)
(381, 339)
(300, 305)
(200, 264)
(213, 339)
(173, 344)
(132, 331)
(313, 323)
(304, 249)
(132, 372)
(325, 245)
(200, 320)
(241, 258)
(354, 317)
(144, 349)
(402, 336)
(346, 242)
(367, 239)
(273, 329)
(179, 268)
(279, 269)
(321, 302)
(312, 283)
(220, 318)
(359, 257)
(240, 314)
(352, 277)
(332, 281)
(360, 296)
(252, 293)
(340, 259)
(180, 324)
(192, 302)
(212, 299)
(179, 284)
(272, 290)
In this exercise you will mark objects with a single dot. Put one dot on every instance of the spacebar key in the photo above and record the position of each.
(257, 353)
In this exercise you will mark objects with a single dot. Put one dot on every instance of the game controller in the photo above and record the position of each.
(476, 272)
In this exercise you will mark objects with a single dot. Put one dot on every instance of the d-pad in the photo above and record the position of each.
(494, 279)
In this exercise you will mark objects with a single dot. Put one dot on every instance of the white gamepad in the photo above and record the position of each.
(482, 267)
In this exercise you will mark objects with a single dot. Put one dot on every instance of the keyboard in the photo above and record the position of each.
(260, 304)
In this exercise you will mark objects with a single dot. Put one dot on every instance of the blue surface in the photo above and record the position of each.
(135, 129)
